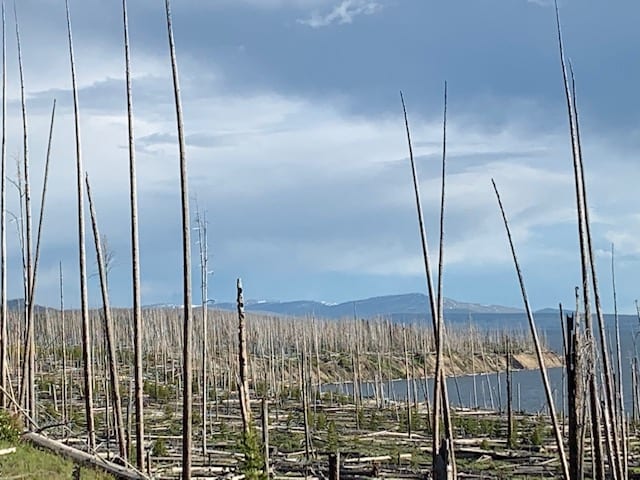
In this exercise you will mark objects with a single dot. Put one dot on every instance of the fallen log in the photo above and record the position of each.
(379, 458)
(7, 451)
(84, 458)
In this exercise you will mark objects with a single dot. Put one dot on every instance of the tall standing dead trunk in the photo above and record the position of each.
(620, 389)
(82, 256)
(594, 399)
(441, 398)
(187, 367)
(3, 223)
(29, 351)
(108, 330)
(610, 420)
(204, 276)
(135, 256)
(440, 332)
(534, 333)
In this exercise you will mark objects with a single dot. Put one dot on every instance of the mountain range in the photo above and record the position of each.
(410, 305)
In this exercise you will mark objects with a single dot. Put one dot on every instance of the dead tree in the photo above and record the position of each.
(441, 399)
(243, 384)
(187, 367)
(204, 277)
(3, 224)
(28, 387)
(108, 329)
(510, 427)
(536, 342)
(82, 256)
(135, 255)
(575, 393)
(594, 397)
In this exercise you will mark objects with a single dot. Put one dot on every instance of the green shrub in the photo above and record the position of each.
(539, 434)
(320, 420)
(157, 391)
(333, 438)
(10, 428)
(253, 464)
(159, 448)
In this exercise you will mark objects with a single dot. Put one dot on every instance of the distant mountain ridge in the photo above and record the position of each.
(17, 304)
(412, 304)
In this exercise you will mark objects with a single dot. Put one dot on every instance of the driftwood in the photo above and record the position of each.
(84, 458)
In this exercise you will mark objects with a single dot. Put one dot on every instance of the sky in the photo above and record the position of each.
(297, 153)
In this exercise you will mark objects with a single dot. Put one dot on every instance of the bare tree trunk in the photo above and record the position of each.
(65, 397)
(334, 466)
(305, 402)
(204, 275)
(135, 256)
(3, 223)
(86, 336)
(42, 206)
(317, 352)
(29, 351)
(510, 430)
(610, 419)
(620, 392)
(584, 257)
(406, 372)
(441, 398)
(536, 342)
(108, 329)
(575, 389)
(265, 436)
(186, 254)
(440, 332)
(245, 406)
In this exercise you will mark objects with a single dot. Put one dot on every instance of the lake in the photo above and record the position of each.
(490, 391)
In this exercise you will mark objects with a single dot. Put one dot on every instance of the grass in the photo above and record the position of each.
(29, 462)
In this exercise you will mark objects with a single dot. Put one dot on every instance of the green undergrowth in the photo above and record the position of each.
(29, 462)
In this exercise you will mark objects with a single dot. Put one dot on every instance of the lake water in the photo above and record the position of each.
(490, 391)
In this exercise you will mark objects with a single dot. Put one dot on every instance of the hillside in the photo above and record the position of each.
(411, 304)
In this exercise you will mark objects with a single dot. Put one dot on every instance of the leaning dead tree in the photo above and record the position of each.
(187, 366)
(82, 255)
(114, 377)
(43, 198)
(536, 341)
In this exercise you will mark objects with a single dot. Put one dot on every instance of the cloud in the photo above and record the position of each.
(542, 3)
(301, 186)
(305, 190)
(343, 13)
